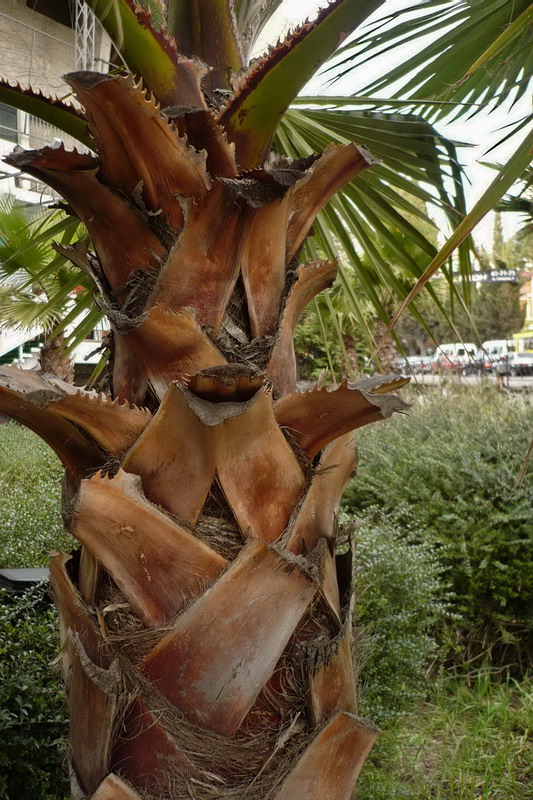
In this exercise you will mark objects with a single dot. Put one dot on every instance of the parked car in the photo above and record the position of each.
(424, 365)
(415, 364)
(494, 350)
(456, 357)
(514, 364)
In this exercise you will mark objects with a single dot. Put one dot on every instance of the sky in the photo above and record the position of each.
(482, 132)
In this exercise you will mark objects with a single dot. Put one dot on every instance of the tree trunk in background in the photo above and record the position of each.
(385, 346)
(55, 361)
(351, 353)
(387, 353)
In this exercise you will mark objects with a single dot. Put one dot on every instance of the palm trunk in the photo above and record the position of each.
(206, 620)
(53, 360)
(385, 346)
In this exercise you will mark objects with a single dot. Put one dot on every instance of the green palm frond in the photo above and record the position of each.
(252, 16)
(371, 220)
(26, 243)
(38, 283)
(467, 51)
(20, 249)
(270, 84)
(25, 310)
(49, 109)
(509, 173)
(521, 202)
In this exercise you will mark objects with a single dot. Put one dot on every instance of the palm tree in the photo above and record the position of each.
(37, 283)
(206, 618)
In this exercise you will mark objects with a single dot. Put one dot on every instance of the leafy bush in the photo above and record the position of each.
(32, 704)
(400, 595)
(30, 487)
(32, 711)
(449, 469)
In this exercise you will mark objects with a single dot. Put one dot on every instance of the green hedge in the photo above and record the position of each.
(32, 703)
(449, 469)
(400, 595)
(33, 722)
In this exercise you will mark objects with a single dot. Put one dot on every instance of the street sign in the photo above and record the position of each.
(495, 276)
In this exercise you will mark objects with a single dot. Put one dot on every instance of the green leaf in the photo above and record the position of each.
(38, 282)
(509, 173)
(82, 305)
(157, 9)
(46, 235)
(252, 16)
(49, 109)
(377, 103)
(372, 222)
(98, 369)
(457, 38)
(271, 83)
(411, 149)
(521, 202)
(89, 316)
(513, 31)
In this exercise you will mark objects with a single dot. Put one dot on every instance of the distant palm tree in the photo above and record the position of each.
(36, 284)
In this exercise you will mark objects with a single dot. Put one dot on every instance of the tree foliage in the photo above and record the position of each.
(452, 475)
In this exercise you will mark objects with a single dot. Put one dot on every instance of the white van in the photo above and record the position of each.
(454, 357)
(495, 351)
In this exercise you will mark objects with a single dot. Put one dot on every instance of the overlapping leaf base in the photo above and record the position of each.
(226, 669)
(206, 620)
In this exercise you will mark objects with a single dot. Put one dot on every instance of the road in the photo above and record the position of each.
(515, 384)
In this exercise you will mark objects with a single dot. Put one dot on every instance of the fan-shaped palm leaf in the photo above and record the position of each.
(368, 219)
(506, 177)
(468, 51)
(38, 282)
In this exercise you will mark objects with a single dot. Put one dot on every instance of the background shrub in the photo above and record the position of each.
(32, 703)
(447, 472)
(400, 595)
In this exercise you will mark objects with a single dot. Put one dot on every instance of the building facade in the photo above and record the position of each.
(41, 40)
(524, 339)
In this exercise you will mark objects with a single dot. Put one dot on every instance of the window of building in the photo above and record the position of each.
(8, 123)
(58, 10)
